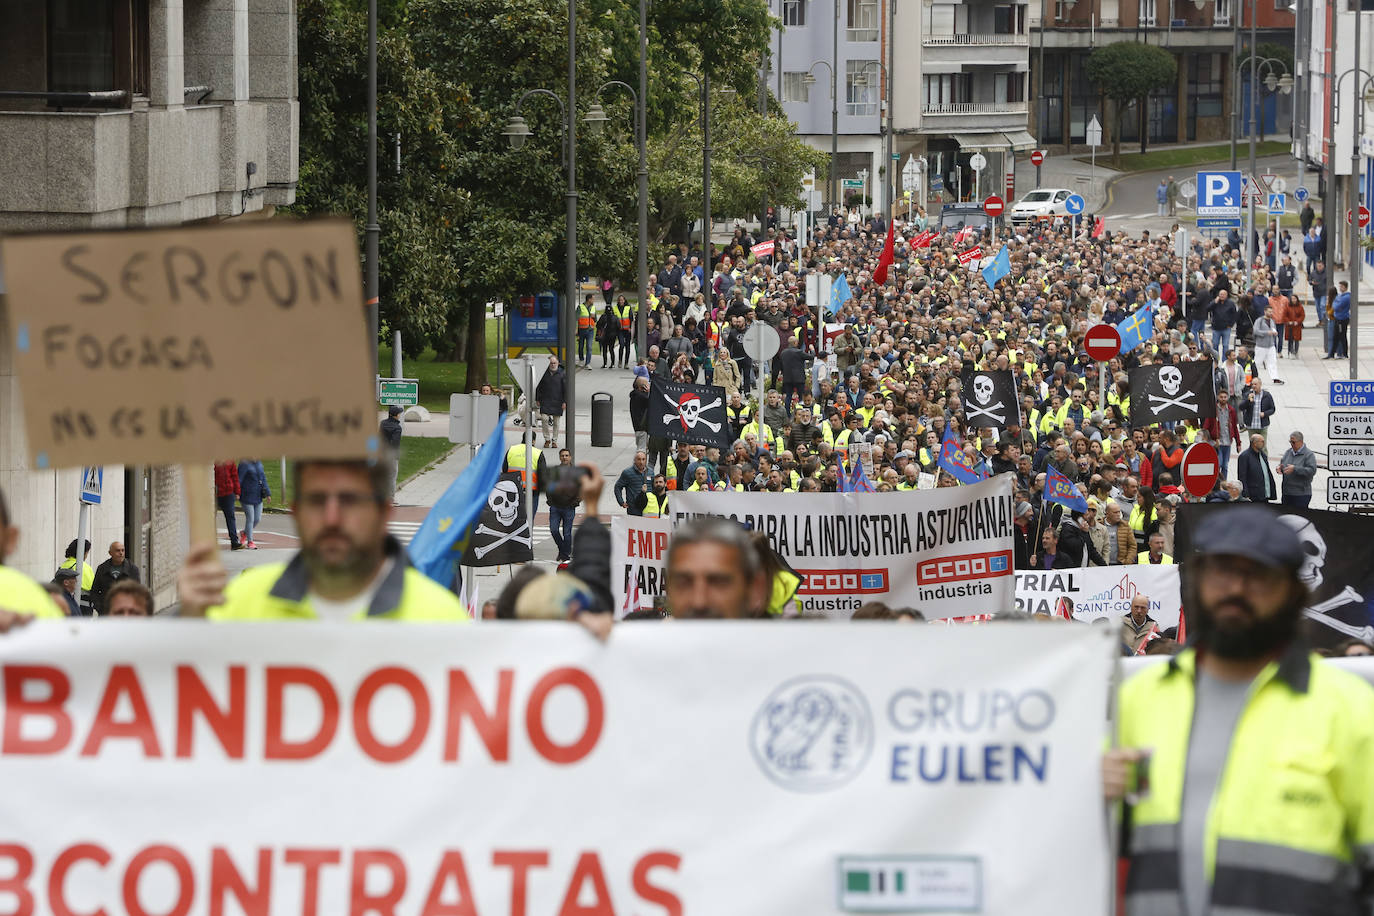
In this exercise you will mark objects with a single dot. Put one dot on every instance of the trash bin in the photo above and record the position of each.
(602, 405)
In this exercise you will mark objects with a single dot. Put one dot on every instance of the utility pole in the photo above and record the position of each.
(372, 231)
(706, 177)
(834, 106)
(1355, 261)
(1330, 196)
(568, 321)
(890, 161)
(1235, 76)
(642, 103)
(1252, 243)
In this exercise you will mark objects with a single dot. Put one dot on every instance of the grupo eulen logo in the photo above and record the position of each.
(813, 733)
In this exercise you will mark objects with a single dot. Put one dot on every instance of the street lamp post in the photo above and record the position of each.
(516, 132)
(703, 81)
(1354, 258)
(862, 80)
(1275, 78)
(596, 119)
(372, 231)
(810, 80)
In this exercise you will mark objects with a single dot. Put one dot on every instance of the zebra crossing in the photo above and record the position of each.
(405, 532)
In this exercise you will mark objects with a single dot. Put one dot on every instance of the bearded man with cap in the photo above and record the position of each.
(1260, 792)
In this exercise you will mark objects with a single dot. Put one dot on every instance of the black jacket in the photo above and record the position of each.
(390, 429)
(639, 410)
(1251, 472)
(551, 392)
(106, 575)
(794, 363)
(591, 561)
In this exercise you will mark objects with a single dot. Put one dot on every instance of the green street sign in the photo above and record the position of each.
(855, 183)
(401, 391)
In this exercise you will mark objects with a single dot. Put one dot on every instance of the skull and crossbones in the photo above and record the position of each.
(1311, 575)
(504, 501)
(689, 408)
(983, 391)
(1171, 380)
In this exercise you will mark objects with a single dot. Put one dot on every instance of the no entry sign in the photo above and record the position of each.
(1102, 342)
(1201, 467)
(994, 206)
(1037, 157)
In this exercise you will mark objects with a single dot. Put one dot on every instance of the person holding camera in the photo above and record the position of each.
(565, 495)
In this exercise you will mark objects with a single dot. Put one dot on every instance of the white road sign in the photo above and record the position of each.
(1349, 425)
(1350, 458)
(1349, 491)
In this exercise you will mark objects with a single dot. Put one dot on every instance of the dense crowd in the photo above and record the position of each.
(885, 383)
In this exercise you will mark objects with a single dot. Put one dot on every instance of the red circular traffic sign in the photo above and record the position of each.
(1201, 468)
(994, 206)
(1037, 157)
(1364, 216)
(1102, 342)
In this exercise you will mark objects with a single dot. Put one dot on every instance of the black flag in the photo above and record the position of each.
(688, 413)
(990, 399)
(502, 534)
(1163, 393)
(1335, 567)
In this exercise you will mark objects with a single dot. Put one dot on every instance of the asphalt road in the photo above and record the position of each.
(1131, 198)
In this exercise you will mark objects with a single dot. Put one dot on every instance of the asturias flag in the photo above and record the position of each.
(955, 460)
(1137, 329)
(998, 267)
(438, 546)
(1060, 489)
(839, 293)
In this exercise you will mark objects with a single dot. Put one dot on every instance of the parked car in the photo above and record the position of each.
(1040, 202)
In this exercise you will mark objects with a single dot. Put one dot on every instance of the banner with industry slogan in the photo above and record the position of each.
(639, 561)
(1096, 593)
(945, 552)
(521, 768)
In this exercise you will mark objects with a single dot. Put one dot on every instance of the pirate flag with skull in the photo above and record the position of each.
(990, 399)
(1160, 394)
(502, 534)
(694, 414)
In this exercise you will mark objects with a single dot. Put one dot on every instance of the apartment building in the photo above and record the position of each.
(126, 113)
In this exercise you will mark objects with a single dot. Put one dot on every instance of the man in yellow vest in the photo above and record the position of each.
(520, 462)
(349, 567)
(625, 315)
(586, 323)
(1155, 555)
(1260, 795)
(21, 598)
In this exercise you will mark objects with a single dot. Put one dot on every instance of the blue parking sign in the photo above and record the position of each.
(1074, 203)
(1218, 199)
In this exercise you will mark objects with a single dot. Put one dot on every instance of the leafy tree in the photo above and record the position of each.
(1128, 72)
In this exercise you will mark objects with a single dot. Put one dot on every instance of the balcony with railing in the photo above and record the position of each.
(970, 41)
(937, 109)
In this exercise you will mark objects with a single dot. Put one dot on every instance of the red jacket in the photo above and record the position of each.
(226, 478)
(1213, 426)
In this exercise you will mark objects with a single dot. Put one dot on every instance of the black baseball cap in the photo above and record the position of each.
(1248, 531)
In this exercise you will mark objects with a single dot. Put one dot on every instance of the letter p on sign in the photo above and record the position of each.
(1216, 186)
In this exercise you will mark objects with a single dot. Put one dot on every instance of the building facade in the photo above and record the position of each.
(1203, 37)
(127, 113)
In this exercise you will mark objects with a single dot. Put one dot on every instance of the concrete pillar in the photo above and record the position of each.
(165, 54)
(216, 39)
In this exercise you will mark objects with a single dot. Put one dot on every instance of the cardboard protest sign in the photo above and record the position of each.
(190, 344)
(639, 569)
(339, 768)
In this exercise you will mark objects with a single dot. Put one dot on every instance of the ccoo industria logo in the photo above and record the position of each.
(813, 733)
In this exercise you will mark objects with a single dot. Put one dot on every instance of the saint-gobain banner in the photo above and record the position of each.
(1099, 592)
(521, 768)
(945, 552)
(639, 561)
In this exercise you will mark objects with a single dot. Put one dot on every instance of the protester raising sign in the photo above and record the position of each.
(1335, 568)
(130, 346)
(688, 413)
(639, 565)
(373, 768)
(945, 552)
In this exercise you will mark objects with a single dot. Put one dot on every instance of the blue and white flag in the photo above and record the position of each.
(1137, 329)
(998, 267)
(438, 546)
(839, 293)
(956, 461)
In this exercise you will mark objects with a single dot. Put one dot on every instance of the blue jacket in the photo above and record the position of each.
(1340, 309)
(252, 483)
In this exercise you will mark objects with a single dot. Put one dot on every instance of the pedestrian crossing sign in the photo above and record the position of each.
(92, 479)
(1276, 203)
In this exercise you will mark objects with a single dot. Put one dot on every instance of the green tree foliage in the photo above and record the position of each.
(1128, 72)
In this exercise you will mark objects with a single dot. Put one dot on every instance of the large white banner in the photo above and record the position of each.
(525, 768)
(1101, 591)
(945, 552)
(639, 561)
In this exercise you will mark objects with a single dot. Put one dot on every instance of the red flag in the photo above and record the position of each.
(1061, 609)
(1098, 225)
(923, 240)
(884, 259)
(1182, 636)
(1149, 638)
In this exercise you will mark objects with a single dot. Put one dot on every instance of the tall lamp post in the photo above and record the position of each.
(862, 80)
(810, 80)
(596, 119)
(703, 81)
(516, 132)
(372, 231)
(1275, 76)
(1354, 257)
